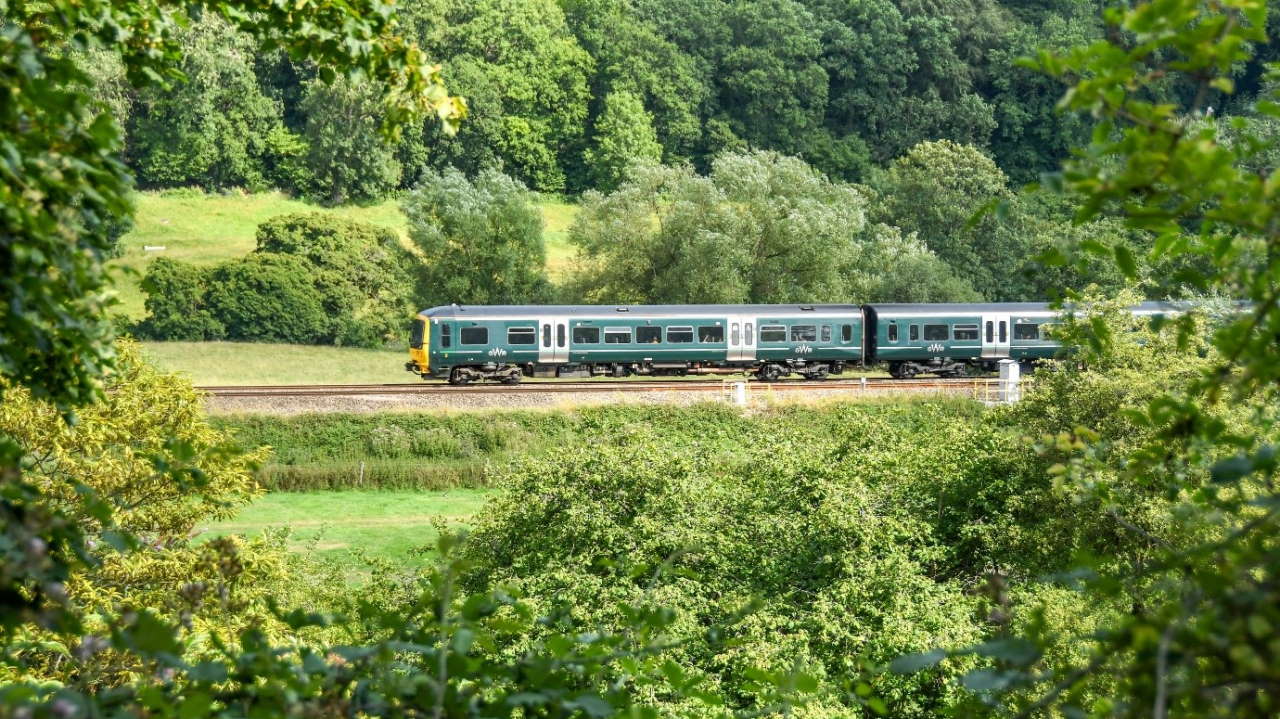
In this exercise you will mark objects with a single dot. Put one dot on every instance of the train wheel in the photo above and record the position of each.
(459, 376)
(768, 373)
(513, 378)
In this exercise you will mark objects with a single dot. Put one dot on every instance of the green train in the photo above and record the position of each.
(505, 343)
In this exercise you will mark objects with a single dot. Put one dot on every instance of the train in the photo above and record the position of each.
(504, 343)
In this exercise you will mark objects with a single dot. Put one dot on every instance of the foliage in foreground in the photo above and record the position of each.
(150, 621)
(1200, 637)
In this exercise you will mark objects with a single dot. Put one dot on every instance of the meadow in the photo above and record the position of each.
(349, 527)
(206, 228)
(246, 363)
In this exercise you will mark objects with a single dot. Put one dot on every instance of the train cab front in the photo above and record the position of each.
(419, 347)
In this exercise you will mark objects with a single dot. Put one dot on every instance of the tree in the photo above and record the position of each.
(631, 55)
(313, 278)
(933, 191)
(525, 77)
(363, 275)
(623, 136)
(772, 91)
(760, 228)
(481, 239)
(210, 129)
(347, 157)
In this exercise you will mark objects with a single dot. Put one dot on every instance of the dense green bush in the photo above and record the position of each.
(268, 298)
(177, 293)
(313, 279)
(798, 510)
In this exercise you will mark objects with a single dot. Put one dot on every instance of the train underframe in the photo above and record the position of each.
(765, 371)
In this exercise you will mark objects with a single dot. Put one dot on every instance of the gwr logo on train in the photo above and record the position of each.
(505, 343)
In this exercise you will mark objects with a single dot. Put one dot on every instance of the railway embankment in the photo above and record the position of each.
(299, 399)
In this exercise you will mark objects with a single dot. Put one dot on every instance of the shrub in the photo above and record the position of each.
(176, 310)
(389, 442)
(313, 278)
(268, 298)
(440, 444)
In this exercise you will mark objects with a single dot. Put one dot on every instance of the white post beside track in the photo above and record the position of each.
(1010, 376)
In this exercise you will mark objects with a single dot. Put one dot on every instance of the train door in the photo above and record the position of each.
(553, 340)
(742, 339)
(995, 336)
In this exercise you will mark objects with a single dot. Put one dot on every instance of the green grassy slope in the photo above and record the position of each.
(224, 363)
(340, 525)
(207, 229)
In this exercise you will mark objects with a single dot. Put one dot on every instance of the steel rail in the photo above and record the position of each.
(853, 385)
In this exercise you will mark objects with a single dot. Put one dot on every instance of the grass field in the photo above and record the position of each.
(223, 363)
(343, 525)
(206, 229)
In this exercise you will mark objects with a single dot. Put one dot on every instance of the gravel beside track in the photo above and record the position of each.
(430, 396)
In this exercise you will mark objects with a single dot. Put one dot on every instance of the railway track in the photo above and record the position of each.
(849, 385)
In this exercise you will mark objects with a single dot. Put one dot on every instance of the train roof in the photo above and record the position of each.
(825, 310)
(1011, 308)
(505, 311)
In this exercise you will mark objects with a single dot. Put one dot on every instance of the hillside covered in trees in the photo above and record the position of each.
(563, 94)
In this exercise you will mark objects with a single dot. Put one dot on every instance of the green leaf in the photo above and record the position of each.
(195, 706)
(591, 704)
(1231, 469)
(1124, 259)
(912, 663)
(1015, 650)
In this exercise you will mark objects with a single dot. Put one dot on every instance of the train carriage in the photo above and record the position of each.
(466, 343)
(946, 339)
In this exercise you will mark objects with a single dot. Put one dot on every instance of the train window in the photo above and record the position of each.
(711, 334)
(1004, 331)
(914, 333)
(415, 334)
(546, 335)
(804, 333)
(473, 336)
(936, 333)
(1026, 331)
(522, 336)
(617, 335)
(846, 333)
(679, 334)
(893, 331)
(735, 334)
(559, 335)
(773, 333)
(445, 338)
(965, 332)
(586, 335)
(826, 333)
(750, 335)
(991, 336)
(648, 335)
